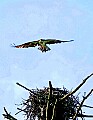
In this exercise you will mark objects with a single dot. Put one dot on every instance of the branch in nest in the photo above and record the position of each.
(49, 98)
(26, 88)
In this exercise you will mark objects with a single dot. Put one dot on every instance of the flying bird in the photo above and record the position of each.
(42, 43)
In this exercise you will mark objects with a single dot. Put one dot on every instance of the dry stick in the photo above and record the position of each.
(77, 87)
(82, 115)
(87, 106)
(54, 109)
(83, 105)
(26, 88)
(48, 102)
(5, 110)
(20, 110)
(84, 98)
(8, 116)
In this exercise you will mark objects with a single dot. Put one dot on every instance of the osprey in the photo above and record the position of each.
(42, 43)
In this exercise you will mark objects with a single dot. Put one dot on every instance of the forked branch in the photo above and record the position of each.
(79, 108)
(8, 116)
(79, 86)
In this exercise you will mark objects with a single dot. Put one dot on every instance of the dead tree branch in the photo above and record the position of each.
(8, 116)
(70, 93)
(25, 88)
(79, 108)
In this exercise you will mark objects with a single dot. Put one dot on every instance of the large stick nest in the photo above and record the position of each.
(36, 104)
(52, 104)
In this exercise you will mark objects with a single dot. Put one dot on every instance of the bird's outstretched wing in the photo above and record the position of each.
(26, 45)
(53, 41)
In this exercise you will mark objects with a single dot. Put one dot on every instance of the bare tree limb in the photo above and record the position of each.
(70, 93)
(84, 98)
(26, 88)
(87, 106)
(8, 116)
(82, 115)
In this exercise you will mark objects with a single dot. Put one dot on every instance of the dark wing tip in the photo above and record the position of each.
(71, 40)
(67, 41)
(13, 45)
(16, 46)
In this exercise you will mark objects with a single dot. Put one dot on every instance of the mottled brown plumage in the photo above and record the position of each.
(42, 43)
